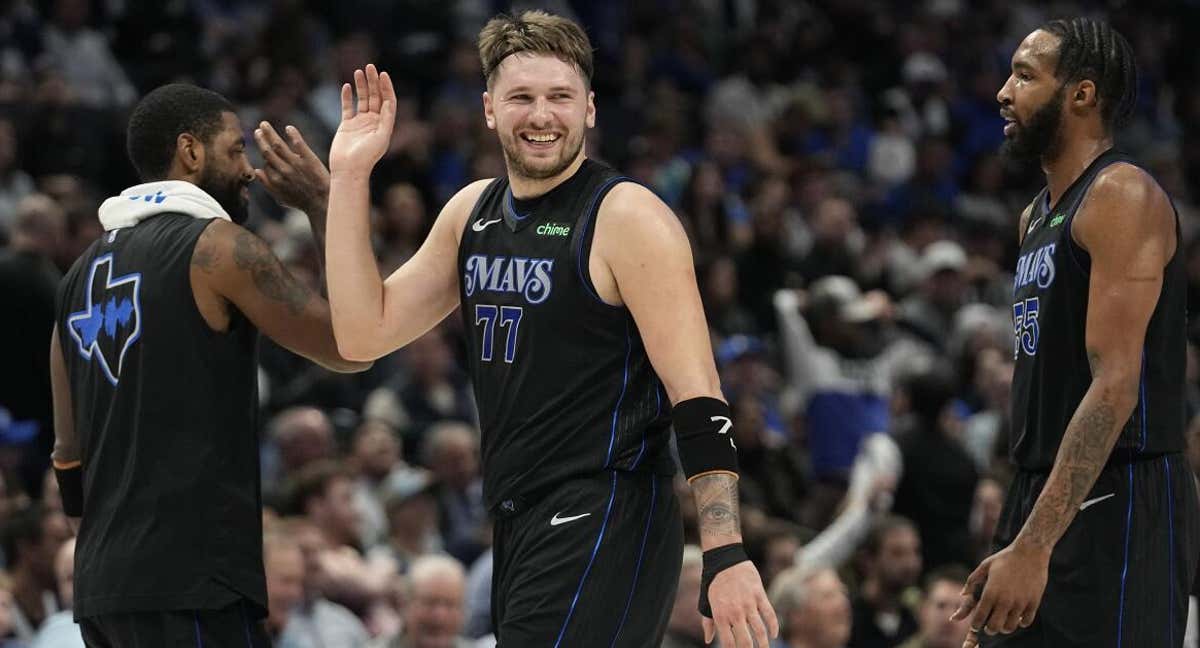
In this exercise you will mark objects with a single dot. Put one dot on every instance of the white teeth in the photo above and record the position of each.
(548, 137)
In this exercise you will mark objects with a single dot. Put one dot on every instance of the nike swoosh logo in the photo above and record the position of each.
(555, 521)
(479, 226)
(1096, 500)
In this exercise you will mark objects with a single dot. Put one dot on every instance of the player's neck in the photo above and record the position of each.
(524, 188)
(1072, 160)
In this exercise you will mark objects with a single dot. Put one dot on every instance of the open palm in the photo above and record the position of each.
(366, 130)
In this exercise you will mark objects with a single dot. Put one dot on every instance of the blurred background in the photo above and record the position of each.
(835, 164)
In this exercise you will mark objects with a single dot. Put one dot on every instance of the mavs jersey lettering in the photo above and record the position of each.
(562, 380)
(1037, 268)
(529, 278)
(1049, 311)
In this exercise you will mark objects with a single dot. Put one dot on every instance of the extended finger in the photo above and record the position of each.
(1028, 614)
(360, 89)
(966, 603)
(272, 157)
(742, 633)
(758, 628)
(299, 146)
(1012, 620)
(277, 144)
(977, 579)
(972, 591)
(768, 613)
(388, 94)
(373, 99)
(993, 623)
(725, 634)
(972, 640)
(347, 102)
(982, 610)
(709, 629)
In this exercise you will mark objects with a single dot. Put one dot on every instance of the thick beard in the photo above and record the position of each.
(517, 166)
(1041, 137)
(227, 192)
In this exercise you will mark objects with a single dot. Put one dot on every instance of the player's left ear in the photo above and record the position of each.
(590, 119)
(1084, 95)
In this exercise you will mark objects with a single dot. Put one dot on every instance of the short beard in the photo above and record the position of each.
(227, 192)
(517, 166)
(1041, 138)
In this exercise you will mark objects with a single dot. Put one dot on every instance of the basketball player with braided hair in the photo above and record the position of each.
(1097, 544)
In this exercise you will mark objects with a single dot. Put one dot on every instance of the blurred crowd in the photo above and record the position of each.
(836, 166)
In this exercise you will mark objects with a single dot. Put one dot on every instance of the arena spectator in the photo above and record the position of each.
(452, 455)
(813, 609)
(32, 537)
(942, 592)
(60, 629)
(891, 565)
(433, 614)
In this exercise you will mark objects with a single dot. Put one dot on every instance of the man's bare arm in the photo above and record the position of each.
(238, 267)
(372, 316)
(637, 236)
(66, 444)
(717, 505)
(641, 257)
(1127, 226)
(67, 456)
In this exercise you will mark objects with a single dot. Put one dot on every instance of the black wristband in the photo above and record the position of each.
(70, 488)
(716, 561)
(704, 436)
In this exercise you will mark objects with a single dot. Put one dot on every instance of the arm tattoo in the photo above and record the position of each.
(205, 255)
(270, 277)
(717, 503)
(1085, 449)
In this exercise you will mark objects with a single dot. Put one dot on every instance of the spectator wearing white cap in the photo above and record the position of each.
(941, 291)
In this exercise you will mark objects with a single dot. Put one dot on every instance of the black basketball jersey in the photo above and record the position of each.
(1050, 307)
(562, 380)
(166, 415)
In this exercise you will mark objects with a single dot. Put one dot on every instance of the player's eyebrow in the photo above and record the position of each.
(527, 89)
(1023, 66)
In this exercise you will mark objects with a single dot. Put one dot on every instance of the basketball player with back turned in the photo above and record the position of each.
(586, 340)
(1098, 539)
(154, 376)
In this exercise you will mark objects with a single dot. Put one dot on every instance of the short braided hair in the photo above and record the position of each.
(1092, 49)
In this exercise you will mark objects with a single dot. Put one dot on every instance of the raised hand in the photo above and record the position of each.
(293, 174)
(366, 129)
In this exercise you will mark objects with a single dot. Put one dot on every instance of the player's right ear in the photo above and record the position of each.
(489, 114)
(190, 153)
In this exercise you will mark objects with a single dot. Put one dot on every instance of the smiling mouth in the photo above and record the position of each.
(543, 139)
